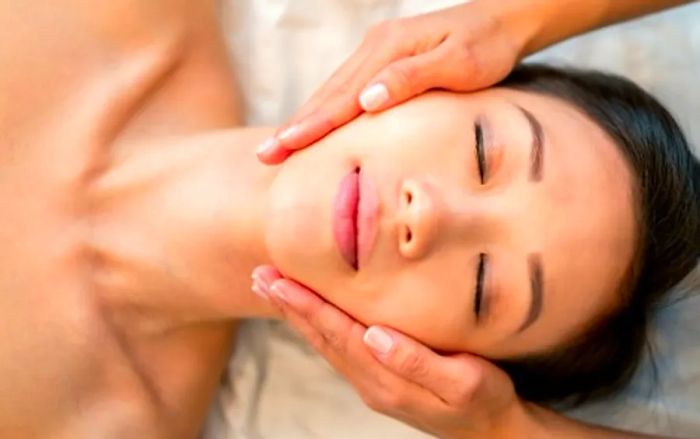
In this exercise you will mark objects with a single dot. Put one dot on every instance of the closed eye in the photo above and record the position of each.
(480, 154)
(479, 288)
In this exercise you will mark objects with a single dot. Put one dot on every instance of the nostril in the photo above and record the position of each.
(407, 197)
(408, 235)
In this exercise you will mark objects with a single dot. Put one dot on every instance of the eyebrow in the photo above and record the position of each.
(537, 148)
(534, 262)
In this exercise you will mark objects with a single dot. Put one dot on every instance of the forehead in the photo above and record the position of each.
(584, 219)
(580, 217)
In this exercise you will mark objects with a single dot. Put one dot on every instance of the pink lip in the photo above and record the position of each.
(355, 212)
(367, 214)
(345, 209)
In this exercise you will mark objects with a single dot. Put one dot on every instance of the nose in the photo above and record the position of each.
(418, 219)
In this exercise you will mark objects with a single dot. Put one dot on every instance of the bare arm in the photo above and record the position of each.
(543, 423)
(458, 396)
(556, 21)
(463, 48)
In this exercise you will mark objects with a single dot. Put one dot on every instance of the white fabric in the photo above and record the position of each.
(282, 50)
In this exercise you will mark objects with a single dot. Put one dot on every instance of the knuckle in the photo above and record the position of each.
(394, 401)
(372, 402)
(385, 401)
(465, 389)
(464, 395)
(316, 341)
(305, 313)
(413, 365)
(342, 89)
(332, 340)
(466, 56)
(403, 75)
(379, 29)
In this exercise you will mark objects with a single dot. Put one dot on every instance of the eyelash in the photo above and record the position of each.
(480, 156)
(479, 289)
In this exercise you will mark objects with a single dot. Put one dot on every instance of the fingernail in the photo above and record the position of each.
(266, 146)
(288, 132)
(259, 291)
(278, 293)
(374, 96)
(260, 287)
(379, 340)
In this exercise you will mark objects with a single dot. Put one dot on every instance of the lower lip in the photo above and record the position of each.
(367, 214)
(345, 217)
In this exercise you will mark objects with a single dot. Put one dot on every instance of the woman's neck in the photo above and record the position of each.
(179, 225)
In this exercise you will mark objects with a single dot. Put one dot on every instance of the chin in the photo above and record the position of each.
(298, 235)
(299, 219)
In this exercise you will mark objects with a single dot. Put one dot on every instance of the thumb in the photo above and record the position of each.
(406, 78)
(454, 379)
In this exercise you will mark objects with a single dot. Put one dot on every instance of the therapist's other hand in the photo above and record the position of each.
(451, 396)
(463, 48)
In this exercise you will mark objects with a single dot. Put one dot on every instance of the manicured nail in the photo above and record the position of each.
(374, 96)
(288, 132)
(266, 146)
(278, 293)
(260, 287)
(379, 340)
(259, 291)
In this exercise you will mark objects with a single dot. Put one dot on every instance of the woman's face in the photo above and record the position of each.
(500, 222)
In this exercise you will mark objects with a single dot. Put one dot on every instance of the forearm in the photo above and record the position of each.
(535, 421)
(541, 23)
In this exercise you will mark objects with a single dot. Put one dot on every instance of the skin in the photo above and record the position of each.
(579, 219)
(100, 336)
(468, 47)
(463, 48)
(132, 217)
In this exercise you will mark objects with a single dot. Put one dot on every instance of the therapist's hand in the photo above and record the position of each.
(462, 48)
(450, 396)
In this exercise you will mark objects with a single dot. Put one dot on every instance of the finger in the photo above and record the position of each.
(272, 152)
(409, 77)
(336, 102)
(298, 133)
(339, 338)
(263, 277)
(341, 80)
(314, 127)
(383, 43)
(331, 324)
(332, 333)
(452, 379)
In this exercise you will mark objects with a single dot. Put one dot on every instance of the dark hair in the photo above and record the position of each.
(602, 359)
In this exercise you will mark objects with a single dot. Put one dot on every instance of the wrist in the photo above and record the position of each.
(537, 24)
(523, 21)
(523, 420)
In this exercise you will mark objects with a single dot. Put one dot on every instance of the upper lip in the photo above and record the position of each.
(345, 217)
(366, 219)
(355, 218)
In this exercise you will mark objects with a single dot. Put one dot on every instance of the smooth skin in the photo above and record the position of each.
(134, 209)
(463, 48)
(121, 210)
(436, 216)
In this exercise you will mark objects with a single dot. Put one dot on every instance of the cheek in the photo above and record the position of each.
(420, 301)
(298, 222)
